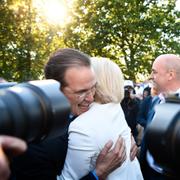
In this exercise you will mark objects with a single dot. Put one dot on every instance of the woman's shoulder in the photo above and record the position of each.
(97, 114)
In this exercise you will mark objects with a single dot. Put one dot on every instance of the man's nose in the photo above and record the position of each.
(151, 76)
(90, 96)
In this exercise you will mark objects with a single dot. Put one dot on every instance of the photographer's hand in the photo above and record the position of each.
(11, 145)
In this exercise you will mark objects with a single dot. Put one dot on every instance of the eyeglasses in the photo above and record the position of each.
(84, 93)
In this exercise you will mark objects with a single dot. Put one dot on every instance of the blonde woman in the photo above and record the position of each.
(105, 120)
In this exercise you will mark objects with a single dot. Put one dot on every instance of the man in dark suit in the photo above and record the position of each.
(143, 161)
(166, 77)
(45, 160)
(145, 106)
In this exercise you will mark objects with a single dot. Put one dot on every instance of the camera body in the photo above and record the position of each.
(33, 110)
(163, 135)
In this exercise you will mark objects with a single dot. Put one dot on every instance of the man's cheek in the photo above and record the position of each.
(75, 109)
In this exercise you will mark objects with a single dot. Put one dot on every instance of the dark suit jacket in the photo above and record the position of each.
(151, 113)
(144, 108)
(42, 161)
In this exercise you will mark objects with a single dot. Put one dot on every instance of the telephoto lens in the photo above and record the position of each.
(33, 110)
(163, 136)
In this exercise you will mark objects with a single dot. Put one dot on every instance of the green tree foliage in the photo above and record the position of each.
(25, 42)
(130, 32)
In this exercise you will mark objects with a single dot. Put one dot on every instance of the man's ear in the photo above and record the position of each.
(172, 74)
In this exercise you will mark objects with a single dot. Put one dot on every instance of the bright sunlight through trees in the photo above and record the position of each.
(55, 11)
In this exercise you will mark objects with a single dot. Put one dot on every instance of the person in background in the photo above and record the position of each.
(130, 106)
(104, 120)
(144, 113)
(146, 92)
(166, 77)
(145, 106)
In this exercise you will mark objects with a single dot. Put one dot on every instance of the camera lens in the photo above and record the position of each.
(34, 110)
(163, 137)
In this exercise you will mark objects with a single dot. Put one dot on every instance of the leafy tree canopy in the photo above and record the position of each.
(26, 41)
(130, 32)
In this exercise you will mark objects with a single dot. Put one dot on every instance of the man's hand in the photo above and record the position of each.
(11, 145)
(134, 149)
(108, 160)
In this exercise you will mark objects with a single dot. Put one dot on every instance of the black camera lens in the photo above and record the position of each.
(33, 110)
(163, 137)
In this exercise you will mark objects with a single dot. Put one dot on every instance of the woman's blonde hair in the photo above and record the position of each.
(110, 81)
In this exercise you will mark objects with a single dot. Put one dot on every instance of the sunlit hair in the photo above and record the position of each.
(62, 60)
(110, 81)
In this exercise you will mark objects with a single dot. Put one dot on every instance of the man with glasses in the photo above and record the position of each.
(78, 83)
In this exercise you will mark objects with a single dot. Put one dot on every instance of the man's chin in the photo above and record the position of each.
(83, 109)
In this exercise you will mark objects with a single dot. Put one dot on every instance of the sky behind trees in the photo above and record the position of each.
(129, 33)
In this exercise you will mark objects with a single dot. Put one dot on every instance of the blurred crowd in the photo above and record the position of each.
(136, 103)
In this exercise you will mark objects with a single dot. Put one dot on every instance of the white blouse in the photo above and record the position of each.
(88, 134)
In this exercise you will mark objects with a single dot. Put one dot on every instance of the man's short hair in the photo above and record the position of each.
(63, 59)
